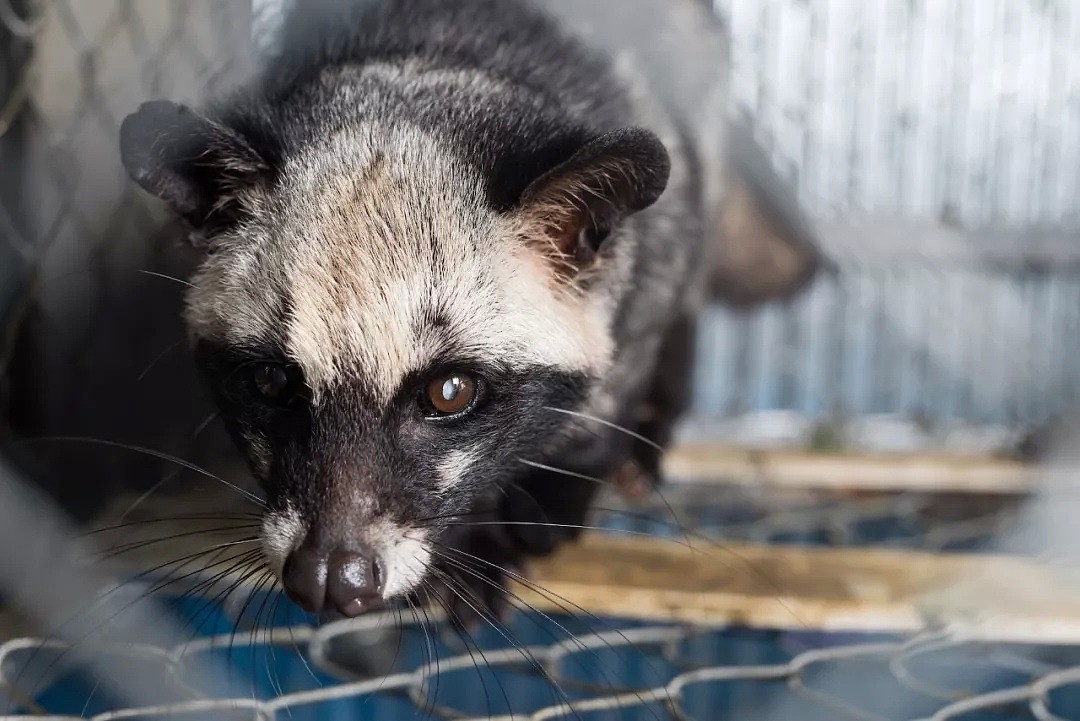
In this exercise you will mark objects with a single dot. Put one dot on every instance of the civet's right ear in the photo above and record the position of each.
(195, 164)
(570, 210)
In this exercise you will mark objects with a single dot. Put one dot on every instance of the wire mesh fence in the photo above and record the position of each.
(661, 672)
(85, 65)
(552, 659)
(91, 310)
(863, 126)
(556, 661)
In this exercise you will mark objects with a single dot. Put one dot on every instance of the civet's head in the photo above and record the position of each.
(384, 341)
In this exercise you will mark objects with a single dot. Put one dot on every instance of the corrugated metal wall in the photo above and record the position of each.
(937, 144)
(965, 109)
(943, 345)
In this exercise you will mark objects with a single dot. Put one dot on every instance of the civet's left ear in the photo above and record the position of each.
(197, 165)
(764, 248)
(571, 209)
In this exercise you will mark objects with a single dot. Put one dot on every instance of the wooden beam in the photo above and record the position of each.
(778, 587)
(878, 472)
(865, 590)
(861, 590)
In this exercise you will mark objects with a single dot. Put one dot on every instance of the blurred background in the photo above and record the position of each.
(857, 455)
(934, 144)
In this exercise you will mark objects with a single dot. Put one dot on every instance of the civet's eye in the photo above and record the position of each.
(450, 394)
(272, 380)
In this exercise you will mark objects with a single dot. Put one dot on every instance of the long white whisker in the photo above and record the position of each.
(156, 454)
(166, 277)
(158, 358)
(563, 472)
(609, 424)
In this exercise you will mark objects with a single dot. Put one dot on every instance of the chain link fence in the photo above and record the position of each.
(85, 269)
(83, 66)
(551, 660)
(675, 674)
(92, 271)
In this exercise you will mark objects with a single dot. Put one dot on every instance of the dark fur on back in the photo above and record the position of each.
(553, 95)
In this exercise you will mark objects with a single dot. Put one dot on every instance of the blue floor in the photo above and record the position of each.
(865, 682)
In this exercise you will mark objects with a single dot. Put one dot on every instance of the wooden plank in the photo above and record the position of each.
(880, 472)
(780, 587)
(860, 590)
(767, 586)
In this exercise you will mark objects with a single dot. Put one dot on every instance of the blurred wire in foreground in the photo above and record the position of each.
(44, 573)
(656, 672)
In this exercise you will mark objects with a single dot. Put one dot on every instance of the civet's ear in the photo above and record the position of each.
(571, 209)
(764, 247)
(197, 165)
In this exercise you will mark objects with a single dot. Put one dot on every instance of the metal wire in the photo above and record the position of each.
(840, 348)
(72, 219)
(381, 666)
(815, 681)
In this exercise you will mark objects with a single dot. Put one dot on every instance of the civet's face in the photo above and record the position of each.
(384, 345)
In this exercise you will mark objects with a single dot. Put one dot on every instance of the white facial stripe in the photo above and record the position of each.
(406, 565)
(404, 553)
(281, 533)
(453, 468)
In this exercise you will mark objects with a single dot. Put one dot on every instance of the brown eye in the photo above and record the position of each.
(451, 394)
(271, 380)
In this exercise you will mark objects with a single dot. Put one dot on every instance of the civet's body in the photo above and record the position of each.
(454, 249)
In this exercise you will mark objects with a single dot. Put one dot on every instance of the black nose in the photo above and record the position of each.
(350, 582)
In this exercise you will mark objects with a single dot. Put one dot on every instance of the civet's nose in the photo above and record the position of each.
(348, 581)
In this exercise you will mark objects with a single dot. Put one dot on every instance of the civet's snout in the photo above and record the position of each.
(348, 580)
